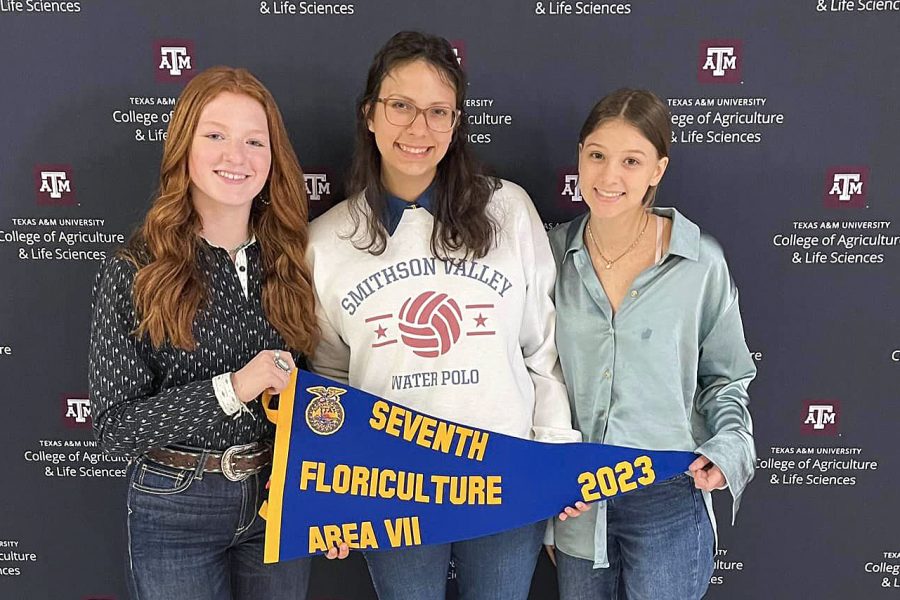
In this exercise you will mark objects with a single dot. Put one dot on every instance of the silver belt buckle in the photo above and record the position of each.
(227, 469)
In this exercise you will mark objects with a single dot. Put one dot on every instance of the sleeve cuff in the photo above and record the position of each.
(735, 455)
(555, 435)
(224, 390)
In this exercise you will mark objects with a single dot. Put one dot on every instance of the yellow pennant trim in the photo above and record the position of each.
(282, 417)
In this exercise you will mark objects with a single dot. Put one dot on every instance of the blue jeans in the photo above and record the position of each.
(660, 547)
(197, 536)
(493, 567)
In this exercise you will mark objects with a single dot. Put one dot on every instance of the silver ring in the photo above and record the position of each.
(281, 363)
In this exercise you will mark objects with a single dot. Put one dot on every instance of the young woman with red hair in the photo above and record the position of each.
(209, 305)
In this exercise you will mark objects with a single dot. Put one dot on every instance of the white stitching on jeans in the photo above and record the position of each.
(694, 494)
(244, 503)
(128, 527)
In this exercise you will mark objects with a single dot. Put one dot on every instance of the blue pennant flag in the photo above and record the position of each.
(353, 467)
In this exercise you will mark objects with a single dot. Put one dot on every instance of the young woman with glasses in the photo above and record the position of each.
(433, 286)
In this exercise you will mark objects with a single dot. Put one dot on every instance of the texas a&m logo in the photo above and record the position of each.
(174, 60)
(845, 187)
(720, 61)
(76, 412)
(820, 417)
(317, 186)
(459, 49)
(569, 200)
(320, 190)
(569, 187)
(54, 185)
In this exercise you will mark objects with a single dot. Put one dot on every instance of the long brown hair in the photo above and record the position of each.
(643, 110)
(169, 287)
(462, 189)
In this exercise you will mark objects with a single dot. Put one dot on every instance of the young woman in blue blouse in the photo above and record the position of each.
(652, 348)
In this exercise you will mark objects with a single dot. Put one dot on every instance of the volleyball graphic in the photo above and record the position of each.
(430, 324)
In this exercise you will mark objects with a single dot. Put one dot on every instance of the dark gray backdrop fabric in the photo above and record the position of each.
(785, 150)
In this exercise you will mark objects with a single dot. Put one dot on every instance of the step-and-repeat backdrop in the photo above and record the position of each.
(785, 132)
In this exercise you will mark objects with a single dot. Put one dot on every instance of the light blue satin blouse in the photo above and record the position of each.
(668, 371)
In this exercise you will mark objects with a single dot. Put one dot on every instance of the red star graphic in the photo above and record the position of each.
(381, 331)
(479, 320)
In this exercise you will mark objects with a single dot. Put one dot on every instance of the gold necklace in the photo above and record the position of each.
(610, 263)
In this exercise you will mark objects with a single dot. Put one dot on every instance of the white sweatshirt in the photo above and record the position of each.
(467, 341)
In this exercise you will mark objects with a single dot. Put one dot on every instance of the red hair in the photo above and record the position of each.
(168, 287)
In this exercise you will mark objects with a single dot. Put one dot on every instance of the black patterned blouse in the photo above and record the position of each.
(142, 397)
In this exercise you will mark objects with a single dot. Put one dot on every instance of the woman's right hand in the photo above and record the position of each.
(262, 374)
(340, 552)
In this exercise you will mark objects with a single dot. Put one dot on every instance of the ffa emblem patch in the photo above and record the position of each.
(324, 413)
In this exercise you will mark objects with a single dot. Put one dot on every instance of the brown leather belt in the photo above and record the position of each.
(236, 463)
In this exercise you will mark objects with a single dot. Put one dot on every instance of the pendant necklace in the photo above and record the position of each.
(611, 262)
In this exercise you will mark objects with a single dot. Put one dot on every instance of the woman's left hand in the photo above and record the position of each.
(576, 511)
(707, 476)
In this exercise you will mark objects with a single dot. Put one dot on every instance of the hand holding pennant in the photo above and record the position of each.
(349, 466)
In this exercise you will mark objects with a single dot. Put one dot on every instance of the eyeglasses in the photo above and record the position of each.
(402, 113)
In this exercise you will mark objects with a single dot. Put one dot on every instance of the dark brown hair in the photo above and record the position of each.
(462, 190)
(169, 286)
(643, 110)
